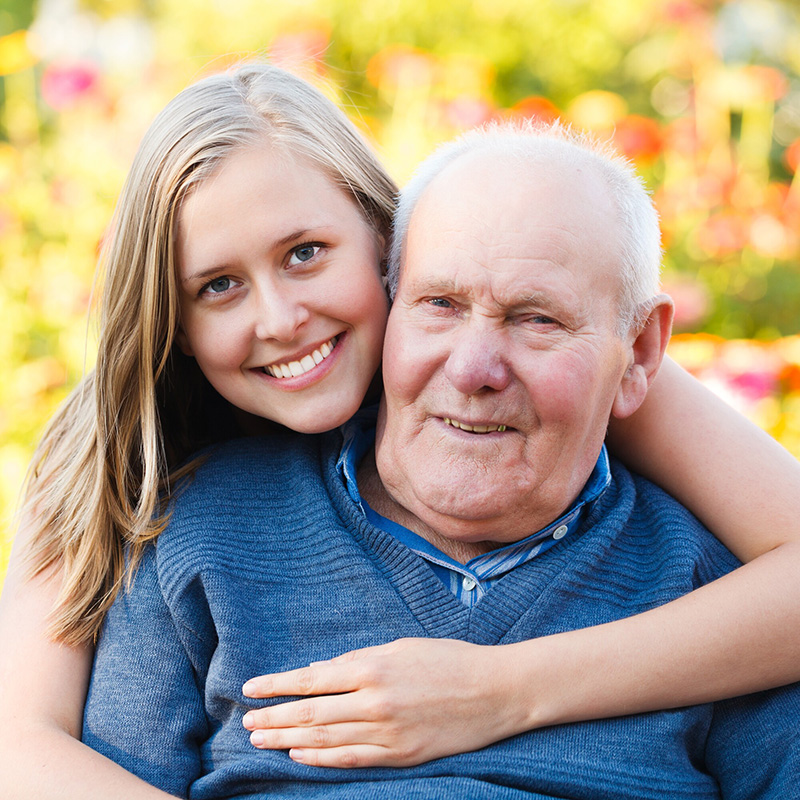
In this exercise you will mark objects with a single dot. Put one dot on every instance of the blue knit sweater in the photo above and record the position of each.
(267, 565)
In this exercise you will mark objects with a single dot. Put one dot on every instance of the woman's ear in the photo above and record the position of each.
(182, 341)
(647, 352)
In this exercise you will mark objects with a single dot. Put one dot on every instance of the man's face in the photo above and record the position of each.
(502, 363)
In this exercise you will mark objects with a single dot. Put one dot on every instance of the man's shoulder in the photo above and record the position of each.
(267, 456)
(248, 489)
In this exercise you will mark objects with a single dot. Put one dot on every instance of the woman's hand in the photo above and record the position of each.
(395, 705)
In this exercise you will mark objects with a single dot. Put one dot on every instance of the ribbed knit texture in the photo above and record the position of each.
(267, 565)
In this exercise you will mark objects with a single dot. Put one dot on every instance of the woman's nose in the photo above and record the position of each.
(279, 315)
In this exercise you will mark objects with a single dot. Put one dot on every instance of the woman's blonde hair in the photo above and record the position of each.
(98, 479)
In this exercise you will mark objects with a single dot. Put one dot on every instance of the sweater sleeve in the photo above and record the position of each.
(753, 748)
(144, 709)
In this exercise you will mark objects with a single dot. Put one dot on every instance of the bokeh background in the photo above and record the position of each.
(704, 95)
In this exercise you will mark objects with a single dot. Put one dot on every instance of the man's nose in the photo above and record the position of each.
(477, 361)
(278, 314)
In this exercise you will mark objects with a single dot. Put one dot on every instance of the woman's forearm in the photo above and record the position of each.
(734, 636)
(734, 477)
(40, 762)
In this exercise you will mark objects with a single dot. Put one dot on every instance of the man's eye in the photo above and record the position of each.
(303, 253)
(217, 286)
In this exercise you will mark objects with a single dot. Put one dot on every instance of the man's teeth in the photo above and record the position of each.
(474, 428)
(294, 368)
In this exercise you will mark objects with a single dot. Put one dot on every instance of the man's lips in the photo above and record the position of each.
(297, 367)
(470, 428)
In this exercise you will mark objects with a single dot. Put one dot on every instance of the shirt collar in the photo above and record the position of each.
(359, 435)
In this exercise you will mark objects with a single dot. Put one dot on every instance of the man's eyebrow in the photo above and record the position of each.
(435, 285)
(294, 236)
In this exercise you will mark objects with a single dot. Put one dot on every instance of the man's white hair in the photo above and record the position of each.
(554, 144)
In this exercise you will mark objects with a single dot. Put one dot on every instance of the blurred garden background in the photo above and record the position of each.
(704, 95)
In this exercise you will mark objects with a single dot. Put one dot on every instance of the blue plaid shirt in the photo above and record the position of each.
(470, 581)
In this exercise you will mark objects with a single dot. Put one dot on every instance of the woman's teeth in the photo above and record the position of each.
(474, 428)
(294, 368)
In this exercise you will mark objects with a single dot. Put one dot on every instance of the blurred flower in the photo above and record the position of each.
(770, 237)
(722, 233)
(753, 385)
(597, 110)
(766, 83)
(680, 137)
(467, 112)
(536, 108)
(64, 84)
(684, 11)
(692, 300)
(791, 156)
(301, 49)
(401, 64)
(15, 54)
(638, 138)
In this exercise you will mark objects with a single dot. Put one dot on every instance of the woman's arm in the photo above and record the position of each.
(418, 699)
(42, 690)
(729, 473)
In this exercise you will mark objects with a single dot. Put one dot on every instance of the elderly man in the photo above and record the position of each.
(525, 316)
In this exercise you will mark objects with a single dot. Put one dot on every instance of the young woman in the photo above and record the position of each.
(263, 301)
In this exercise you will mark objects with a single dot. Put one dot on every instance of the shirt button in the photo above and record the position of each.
(468, 583)
(560, 532)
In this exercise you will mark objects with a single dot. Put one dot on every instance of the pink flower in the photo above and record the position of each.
(64, 84)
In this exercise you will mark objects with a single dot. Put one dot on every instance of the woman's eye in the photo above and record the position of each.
(440, 302)
(303, 253)
(218, 285)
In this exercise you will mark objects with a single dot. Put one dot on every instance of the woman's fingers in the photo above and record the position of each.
(327, 710)
(345, 673)
(322, 677)
(317, 737)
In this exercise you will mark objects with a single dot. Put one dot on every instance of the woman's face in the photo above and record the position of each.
(281, 299)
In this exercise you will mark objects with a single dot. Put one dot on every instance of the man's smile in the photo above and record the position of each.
(465, 426)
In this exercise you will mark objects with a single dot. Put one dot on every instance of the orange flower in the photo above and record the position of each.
(535, 107)
(639, 138)
(791, 156)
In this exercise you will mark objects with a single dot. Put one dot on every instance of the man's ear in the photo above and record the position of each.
(183, 342)
(647, 352)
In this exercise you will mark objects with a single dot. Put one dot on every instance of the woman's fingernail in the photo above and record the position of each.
(248, 687)
(297, 755)
(257, 738)
(248, 719)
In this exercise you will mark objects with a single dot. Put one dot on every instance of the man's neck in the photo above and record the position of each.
(373, 491)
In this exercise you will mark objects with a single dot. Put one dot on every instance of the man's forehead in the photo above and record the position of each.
(512, 196)
(522, 231)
